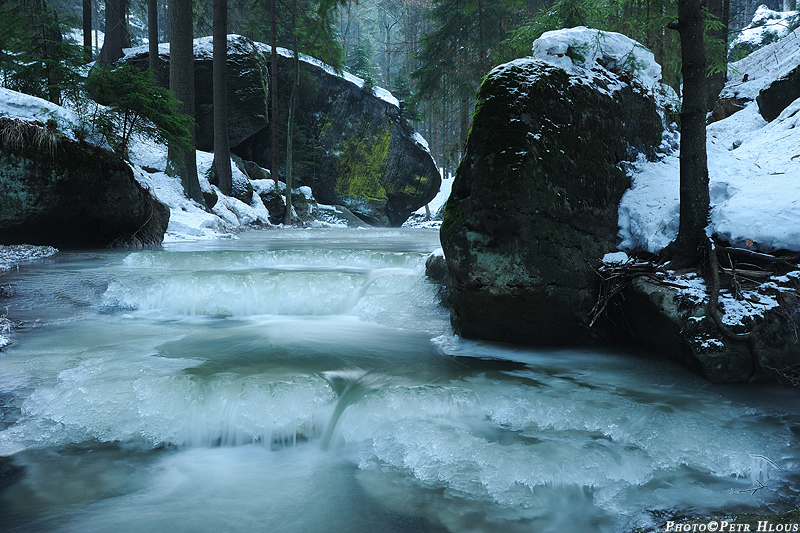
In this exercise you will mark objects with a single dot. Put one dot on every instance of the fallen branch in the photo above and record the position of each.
(791, 261)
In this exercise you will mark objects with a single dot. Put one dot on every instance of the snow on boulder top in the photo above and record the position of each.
(379, 92)
(759, 69)
(204, 48)
(586, 48)
(766, 25)
(31, 108)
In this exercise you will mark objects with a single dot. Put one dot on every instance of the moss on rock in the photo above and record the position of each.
(535, 200)
(360, 165)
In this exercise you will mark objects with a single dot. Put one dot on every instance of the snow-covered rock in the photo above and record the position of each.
(590, 49)
(766, 27)
(61, 192)
(534, 201)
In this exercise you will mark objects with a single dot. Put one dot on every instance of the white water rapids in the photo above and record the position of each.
(308, 381)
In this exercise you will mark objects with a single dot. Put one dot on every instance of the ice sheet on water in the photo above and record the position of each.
(148, 399)
(567, 423)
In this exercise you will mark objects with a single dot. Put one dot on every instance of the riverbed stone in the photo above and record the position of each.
(665, 319)
(68, 194)
(534, 202)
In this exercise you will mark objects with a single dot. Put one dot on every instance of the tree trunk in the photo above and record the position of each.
(116, 32)
(182, 160)
(152, 34)
(694, 195)
(287, 219)
(87, 29)
(222, 149)
(273, 91)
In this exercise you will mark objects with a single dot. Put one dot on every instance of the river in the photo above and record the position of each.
(309, 381)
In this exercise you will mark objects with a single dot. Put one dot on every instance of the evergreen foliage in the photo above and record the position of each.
(34, 58)
(135, 105)
(361, 64)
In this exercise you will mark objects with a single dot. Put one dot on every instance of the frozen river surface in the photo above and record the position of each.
(308, 381)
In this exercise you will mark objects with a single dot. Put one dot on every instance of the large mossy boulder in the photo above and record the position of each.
(59, 192)
(356, 148)
(352, 146)
(248, 87)
(534, 203)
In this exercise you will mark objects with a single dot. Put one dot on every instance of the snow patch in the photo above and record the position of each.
(586, 48)
(753, 165)
(25, 107)
(762, 67)
(615, 258)
(767, 25)
(188, 220)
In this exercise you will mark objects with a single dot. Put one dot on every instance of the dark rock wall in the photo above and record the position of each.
(72, 195)
(534, 204)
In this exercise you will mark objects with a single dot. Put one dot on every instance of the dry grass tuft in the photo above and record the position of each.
(16, 134)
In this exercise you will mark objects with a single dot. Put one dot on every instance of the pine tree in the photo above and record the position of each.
(458, 53)
(182, 160)
(34, 58)
(117, 36)
(133, 103)
(222, 149)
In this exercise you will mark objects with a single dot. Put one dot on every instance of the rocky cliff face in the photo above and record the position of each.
(353, 148)
(534, 204)
(67, 194)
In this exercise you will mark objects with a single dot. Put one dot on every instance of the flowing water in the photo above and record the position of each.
(308, 381)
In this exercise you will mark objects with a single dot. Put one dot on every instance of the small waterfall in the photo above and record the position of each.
(321, 386)
(354, 385)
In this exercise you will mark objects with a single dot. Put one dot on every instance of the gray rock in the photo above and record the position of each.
(68, 194)
(772, 100)
(674, 325)
(534, 204)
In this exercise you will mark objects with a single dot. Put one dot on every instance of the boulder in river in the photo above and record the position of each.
(534, 203)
